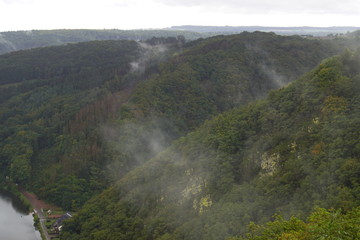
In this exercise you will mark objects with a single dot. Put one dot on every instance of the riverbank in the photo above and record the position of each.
(14, 190)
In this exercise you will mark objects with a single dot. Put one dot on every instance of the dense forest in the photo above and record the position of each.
(52, 100)
(297, 149)
(209, 76)
(173, 139)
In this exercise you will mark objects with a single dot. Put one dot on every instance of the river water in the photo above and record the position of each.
(15, 222)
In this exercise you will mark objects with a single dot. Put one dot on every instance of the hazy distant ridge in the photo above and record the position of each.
(20, 40)
(318, 31)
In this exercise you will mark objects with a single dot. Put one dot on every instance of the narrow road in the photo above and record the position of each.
(42, 223)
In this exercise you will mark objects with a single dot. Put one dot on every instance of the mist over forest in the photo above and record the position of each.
(186, 133)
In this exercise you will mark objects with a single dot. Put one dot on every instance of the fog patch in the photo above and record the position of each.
(131, 144)
(9, 45)
(29, 32)
(150, 54)
(276, 79)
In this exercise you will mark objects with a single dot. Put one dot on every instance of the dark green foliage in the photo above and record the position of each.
(81, 66)
(115, 215)
(295, 150)
(46, 96)
(69, 192)
(55, 105)
(234, 70)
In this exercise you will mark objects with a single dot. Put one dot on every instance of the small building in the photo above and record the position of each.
(59, 222)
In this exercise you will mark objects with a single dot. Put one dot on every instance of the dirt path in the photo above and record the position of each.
(36, 202)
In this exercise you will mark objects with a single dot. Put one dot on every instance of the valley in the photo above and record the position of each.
(174, 137)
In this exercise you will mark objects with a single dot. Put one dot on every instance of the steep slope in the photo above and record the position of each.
(297, 149)
(210, 76)
(52, 99)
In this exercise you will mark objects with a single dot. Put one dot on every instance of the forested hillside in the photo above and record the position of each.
(210, 76)
(297, 149)
(76, 119)
(52, 100)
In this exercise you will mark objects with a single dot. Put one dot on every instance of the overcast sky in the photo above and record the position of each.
(141, 14)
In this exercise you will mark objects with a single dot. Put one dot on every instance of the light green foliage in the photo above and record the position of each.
(321, 224)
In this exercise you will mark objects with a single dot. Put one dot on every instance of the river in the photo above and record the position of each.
(15, 222)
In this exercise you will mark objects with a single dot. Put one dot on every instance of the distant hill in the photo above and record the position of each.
(19, 40)
(315, 31)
